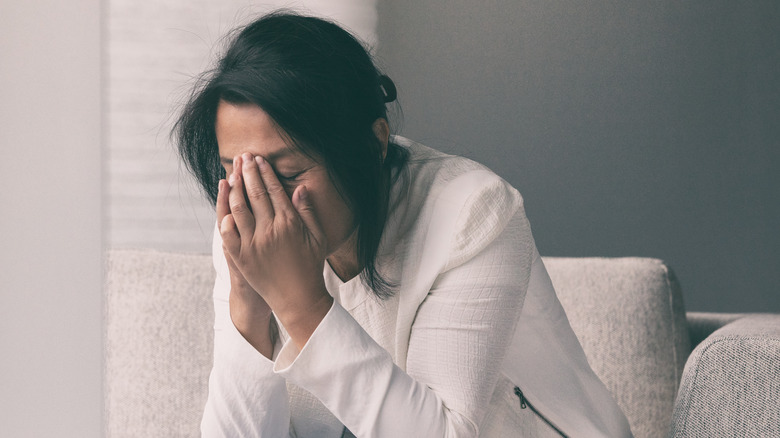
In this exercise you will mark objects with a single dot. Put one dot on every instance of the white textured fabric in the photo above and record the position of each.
(474, 317)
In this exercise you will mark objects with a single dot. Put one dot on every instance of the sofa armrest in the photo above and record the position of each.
(703, 324)
(731, 382)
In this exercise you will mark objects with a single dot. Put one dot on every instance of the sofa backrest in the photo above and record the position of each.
(158, 344)
(628, 314)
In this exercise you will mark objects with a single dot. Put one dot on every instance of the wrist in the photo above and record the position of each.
(256, 326)
(300, 323)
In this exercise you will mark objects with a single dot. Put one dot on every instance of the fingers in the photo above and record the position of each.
(305, 209)
(276, 193)
(223, 205)
(256, 191)
(231, 240)
(225, 223)
(237, 281)
(242, 215)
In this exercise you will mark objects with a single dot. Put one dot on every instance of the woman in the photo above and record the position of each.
(367, 285)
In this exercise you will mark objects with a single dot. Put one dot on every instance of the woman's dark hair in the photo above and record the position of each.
(320, 86)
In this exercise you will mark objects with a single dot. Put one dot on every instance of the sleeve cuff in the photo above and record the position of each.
(244, 352)
(289, 356)
(356, 379)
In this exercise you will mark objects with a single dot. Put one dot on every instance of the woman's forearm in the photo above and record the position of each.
(245, 397)
(257, 326)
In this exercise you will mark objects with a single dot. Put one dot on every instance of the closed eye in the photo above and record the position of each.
(289, 178)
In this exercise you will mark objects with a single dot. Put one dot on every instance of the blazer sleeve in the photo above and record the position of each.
(245, 397)
(456, 347)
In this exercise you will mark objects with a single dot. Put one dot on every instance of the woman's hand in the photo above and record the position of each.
(277, 247)
(249, 312)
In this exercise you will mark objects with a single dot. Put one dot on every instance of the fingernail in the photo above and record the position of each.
(247, 158)
(259, 160)
(232, 179)
(235, 162)
(304, 193)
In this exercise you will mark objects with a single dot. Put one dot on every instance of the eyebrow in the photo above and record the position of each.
(271, 157)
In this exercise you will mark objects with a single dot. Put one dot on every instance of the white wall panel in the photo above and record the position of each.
(50, 226)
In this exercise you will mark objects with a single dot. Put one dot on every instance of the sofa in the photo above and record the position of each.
(673, 373)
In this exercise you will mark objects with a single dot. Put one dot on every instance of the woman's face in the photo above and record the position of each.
(244, 128)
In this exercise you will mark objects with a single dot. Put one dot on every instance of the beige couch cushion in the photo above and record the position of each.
(159, 319)
(628, 315)
(626, 312)
(731, 384)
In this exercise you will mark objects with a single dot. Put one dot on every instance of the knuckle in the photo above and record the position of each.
(289, 221)
(239, 208)
(283, 217)
(267, 234)
(257, 193)
(225, 230)
(276, 190)
(227, 234)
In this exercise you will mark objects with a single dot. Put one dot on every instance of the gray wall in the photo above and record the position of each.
(50, 226)
(631, 128)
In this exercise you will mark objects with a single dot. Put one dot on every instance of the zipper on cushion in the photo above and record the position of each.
(524, 403)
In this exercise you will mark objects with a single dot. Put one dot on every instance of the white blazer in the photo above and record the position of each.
(473, 343)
